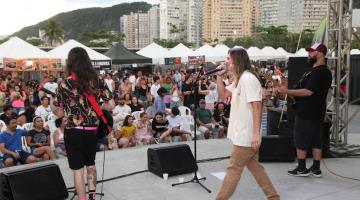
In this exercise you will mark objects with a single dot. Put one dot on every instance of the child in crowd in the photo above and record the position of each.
(143, 135)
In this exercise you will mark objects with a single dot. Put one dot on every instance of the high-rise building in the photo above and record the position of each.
(140, 28)
(173, 19)
(229, 19)
(297, 15)
(194, 22)
(269, 12)
(154, 22)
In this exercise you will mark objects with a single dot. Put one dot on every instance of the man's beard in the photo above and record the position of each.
(122, 104)
(311, 61)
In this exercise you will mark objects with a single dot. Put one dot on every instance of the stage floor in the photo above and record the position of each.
(147, 186)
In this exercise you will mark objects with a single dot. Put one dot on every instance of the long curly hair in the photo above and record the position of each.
(79, 63)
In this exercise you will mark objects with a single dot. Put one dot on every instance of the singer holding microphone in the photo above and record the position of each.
(80, 133)
(244, 124)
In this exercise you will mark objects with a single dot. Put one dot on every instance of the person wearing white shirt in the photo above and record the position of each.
(44, 110)
(244, 125)
(51, 85)
(132, 80)
(110, 83)
(121, 111)
(176, 125)
(155, 87)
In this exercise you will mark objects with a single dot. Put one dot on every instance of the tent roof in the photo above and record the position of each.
(206, 50)
(18, 48)
(155, 51)
(221, 50)
(62, 51)
(254, 53)
(301, 53)
(121, 55)
(240, 47)
(181, 50)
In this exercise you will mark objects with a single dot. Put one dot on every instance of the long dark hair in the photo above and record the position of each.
(241, 62)
(126, 120)
(79, 63)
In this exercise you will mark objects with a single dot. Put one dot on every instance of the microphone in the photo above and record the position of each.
(213, 71)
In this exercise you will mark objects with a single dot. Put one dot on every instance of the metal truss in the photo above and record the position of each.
(339, 40)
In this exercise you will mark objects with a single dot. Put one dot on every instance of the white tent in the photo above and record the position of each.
(301, 53)
(270, 53)
(98, 60)
(355, 52)
(254, 53)
(238, 47)
(17, 48)
(222, 49)
(156, 52)
(209, 52)
(283, 52)
(182, 51)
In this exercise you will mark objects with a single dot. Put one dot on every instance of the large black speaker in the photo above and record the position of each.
(36, 183)
(276, 148)
(173, 160)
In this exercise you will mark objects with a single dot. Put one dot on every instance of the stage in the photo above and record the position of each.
(147, 186)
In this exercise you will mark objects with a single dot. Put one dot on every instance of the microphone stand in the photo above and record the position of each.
(195, 179)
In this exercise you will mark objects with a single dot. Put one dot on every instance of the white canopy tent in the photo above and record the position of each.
(17, 48)
(156, 52)
(283, 52)
(182, 51)
(301, 53)
(209, 52)
(238, 47)
(99, 60)
(254, 53)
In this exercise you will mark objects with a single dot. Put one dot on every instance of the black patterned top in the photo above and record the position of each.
(77, 108)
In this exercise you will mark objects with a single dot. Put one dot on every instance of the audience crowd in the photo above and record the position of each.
(149, 109)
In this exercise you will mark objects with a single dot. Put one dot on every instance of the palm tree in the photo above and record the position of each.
(53, 32)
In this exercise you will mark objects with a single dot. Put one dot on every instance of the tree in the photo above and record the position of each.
(3, 40)
(53, 32)
(171, 43)
(35, 42)
(106, 37)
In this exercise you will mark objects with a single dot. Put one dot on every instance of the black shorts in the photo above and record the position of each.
(80, 147)
(23, 157)
(308, 133)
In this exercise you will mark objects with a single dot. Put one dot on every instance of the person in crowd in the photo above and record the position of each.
(202, 88)
(121, 111)
(160, 126)
(132, 80)
(110, 83)
(21, 120)
(177, 77)
(39, 140)
(221, 115)
(175, 124)
(3, 100)
(11, 145)
(58, 136)
(206, 122)
(2, 85)
(8, 112)
(187, 91)
(51, 85)
(143, 131)
(211, 97)
(127, 132)
(159, 104)
(141, 90)
(128, 98)
(135, 106)
(125, 87)
(44, 110)
(80, 132)
(17, 99)
(29, 111)
(155, 87)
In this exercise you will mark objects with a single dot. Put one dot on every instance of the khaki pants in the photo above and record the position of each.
(241, 157)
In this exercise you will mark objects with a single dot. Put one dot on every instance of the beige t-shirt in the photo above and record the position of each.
(248, 90)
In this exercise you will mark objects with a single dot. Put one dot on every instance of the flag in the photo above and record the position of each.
(321, 33)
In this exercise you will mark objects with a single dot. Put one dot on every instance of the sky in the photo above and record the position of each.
(16, 14)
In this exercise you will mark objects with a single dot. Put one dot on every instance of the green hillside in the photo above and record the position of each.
(74, 22)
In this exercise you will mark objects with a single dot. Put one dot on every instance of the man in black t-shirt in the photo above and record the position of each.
(311, 93)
